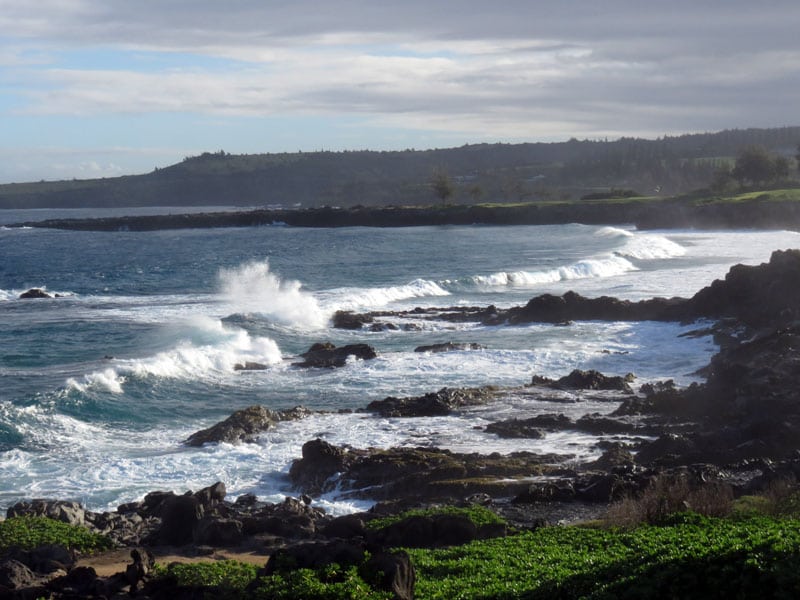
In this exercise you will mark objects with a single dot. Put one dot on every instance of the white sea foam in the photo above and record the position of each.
(211, 349)
(252, 287)
(359, 298)
(650, 247)
(589, 268)
(631, 246)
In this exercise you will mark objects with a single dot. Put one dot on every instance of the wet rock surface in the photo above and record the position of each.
(245, 425)
(35, 293)
(440, 403)
(326, 355)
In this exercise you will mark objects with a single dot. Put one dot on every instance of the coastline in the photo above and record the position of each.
(762, 212)
(738, 429)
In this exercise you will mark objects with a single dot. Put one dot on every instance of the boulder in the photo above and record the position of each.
(326, 355)
(320, 461)
(345, 319)
(393, 572)
(34, 293)
(15, 575)
(59, 510)
(212, 495)
(213, 531)
(245, 425)
(179, 517)
(346, 526)
(594, 380)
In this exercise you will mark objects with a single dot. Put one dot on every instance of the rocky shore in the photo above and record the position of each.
(667, 213)
(740, 428)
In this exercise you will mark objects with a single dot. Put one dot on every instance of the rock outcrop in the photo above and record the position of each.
(34, 293)
(440, 403)
(245, 425)
(325, 355)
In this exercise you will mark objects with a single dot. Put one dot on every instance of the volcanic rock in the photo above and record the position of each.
(34, 293)
(431, 404)
(345, 319)
(322, 355)
(60, 510)
(587, 380)
(245, 425)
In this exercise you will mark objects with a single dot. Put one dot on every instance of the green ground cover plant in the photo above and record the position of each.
(229, 578)
(30, 532)
(689, 556)
(686, 556)
(477, 514)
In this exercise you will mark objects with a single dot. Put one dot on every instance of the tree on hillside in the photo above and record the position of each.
(442, 185)
(755, 165)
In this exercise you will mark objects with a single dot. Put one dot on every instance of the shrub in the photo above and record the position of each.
(28, 532)
(669, 494)
(224, 574)
(329, 583)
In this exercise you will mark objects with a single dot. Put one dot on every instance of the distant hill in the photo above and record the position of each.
(476, 172)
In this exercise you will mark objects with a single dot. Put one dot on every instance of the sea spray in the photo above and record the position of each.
(252, 287)
(209, 349)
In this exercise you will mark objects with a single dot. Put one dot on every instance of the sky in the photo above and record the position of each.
(100, 88)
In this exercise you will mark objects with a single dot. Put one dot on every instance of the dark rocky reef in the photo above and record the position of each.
(420, 474)
(35, 293)
(678, 213)
(588, 380)
(438, 403)
(245, 425)
(753, 296)
(325, 355)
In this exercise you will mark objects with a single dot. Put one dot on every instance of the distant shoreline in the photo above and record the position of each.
(767, 211)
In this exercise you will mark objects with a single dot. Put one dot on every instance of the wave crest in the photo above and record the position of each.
(252, 287)
(355, 298)
(221, 350)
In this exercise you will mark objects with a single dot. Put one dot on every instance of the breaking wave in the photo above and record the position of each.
(216, 349)
(253, 288)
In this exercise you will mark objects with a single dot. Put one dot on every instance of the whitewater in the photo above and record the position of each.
(101, 385)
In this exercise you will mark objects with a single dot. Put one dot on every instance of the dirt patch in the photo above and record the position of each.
(115, 561)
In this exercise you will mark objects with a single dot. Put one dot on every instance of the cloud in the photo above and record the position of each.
(514, 70)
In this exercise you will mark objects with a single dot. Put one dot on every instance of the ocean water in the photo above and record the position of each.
(99, 387)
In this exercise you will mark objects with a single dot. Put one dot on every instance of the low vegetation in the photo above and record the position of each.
(477, 514)
(687, 556)
(229, 578)
(671, 552)
(26, 533)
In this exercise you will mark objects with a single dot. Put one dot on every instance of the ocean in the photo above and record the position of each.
(100, 386)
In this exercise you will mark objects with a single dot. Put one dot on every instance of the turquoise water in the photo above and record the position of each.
(99, 386)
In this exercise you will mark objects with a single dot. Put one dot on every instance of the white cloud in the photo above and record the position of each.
(484, 71)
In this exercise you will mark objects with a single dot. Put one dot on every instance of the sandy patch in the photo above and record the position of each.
(115, 561)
